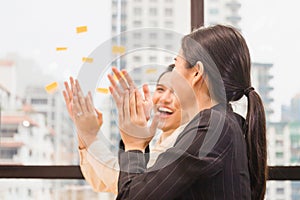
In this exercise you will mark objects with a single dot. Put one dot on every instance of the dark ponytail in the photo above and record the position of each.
(256, 145)
(225, 48)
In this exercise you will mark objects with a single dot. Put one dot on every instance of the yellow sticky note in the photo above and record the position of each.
(150, 71)
(61, 48)
(103, 90)
(88, 60)
(81, 29)
(118, 49)
(52, 87)
(116, 78)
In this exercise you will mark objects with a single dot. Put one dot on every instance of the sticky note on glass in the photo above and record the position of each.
(51, 88)
(118, 49)
(87, 60)
(61, 48)
(116, 78)
(150, 71)
(81, 29)
(102, 90)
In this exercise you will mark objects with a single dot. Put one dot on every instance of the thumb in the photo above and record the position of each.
(146, 91)
(156, 121)
(99, 116)
(148, 104)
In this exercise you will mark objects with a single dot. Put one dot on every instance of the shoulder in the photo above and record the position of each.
(215, 126)
(209, 128)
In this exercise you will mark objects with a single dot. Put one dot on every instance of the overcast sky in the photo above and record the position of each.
(272, 30)
(34, 28)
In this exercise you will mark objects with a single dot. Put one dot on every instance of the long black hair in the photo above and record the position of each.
(229, 52)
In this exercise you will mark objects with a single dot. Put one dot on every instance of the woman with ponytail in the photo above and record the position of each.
(228, 52)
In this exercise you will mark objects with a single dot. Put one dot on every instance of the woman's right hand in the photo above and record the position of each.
(86, 118)
(132, 114)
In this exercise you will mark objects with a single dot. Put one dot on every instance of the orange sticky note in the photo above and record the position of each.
(61, 48)
(88, 60)
(118, 49)
(81, 29)
(103, 90)
(150, 71)
(51, 88)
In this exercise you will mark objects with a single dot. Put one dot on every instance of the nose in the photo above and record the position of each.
(166, 97)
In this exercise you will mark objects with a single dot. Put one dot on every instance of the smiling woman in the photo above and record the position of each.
(103, 174)
(168, 105)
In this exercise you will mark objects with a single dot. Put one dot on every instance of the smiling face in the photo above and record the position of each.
(166, 104)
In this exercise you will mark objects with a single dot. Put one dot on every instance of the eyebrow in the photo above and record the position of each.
(162, 85)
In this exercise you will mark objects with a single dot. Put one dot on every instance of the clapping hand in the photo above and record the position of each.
(86, 118)
(133, 111)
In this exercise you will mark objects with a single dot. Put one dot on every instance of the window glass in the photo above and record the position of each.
(45, 42)
(49, 189)
(41, 52)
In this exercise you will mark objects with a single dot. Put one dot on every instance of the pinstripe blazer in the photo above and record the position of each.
(208, 161)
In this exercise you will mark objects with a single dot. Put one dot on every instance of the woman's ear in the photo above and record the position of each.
(198, 75)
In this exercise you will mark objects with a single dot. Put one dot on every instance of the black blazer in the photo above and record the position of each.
(208, 161)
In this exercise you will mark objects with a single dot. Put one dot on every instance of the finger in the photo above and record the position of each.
(89, 102)
(66, 98)
(146, 92)
(132, 100)
(155, 122)
(118, 101)
(76, 107)
(148, 104)
(69, 91)
(92, 101)
(139, 104)
(72, 86)
(71, 80)
(115, 96)
(78, 86)
(75, 102)
(126, 105)
(81, 97)
(120, 78)
(115, 85)
(128, 79)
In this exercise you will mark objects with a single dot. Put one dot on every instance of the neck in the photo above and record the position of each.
(204, 100)
(206, 104)
(166, 134)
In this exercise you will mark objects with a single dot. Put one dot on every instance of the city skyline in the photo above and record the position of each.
(36, 38)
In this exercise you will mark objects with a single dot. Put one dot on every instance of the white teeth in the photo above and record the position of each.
(161, 109)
